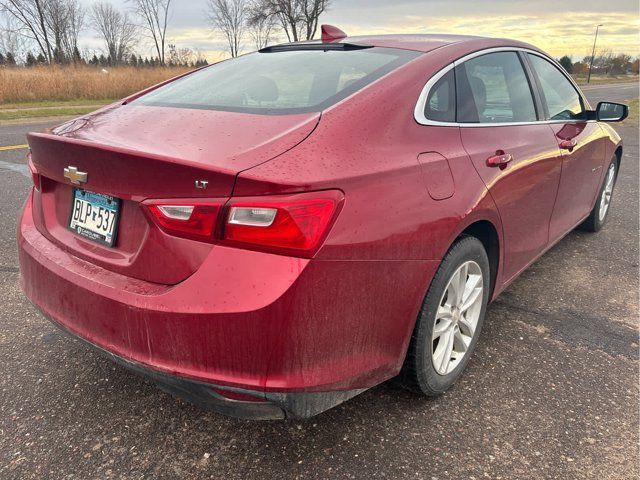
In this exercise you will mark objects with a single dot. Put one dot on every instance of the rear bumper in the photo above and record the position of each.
(303, 335)
(263, 406)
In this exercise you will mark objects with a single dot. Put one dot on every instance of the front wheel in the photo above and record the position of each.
(598, 216)
(450, 320)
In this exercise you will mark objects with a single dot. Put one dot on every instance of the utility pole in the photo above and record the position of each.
(593, 52)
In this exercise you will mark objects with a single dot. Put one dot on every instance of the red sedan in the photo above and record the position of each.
(272, 235)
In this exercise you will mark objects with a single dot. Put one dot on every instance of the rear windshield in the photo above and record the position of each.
(278, 83)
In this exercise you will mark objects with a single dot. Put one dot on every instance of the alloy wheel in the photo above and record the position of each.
(457, 317)
(605, 201)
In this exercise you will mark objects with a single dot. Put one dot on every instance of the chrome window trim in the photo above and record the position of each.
(419, 111)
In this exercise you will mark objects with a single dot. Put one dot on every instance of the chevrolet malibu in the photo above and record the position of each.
(272, 235)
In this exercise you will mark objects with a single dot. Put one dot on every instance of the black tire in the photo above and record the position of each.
(594, 223)
(418, 372)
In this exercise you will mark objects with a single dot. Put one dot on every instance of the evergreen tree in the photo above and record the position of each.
(41, 60)
(31, 60)
(102, 61)
(77, 58)
(566, 63)
(2, 59)
(133, 61)
(94, 60)
(10, 59)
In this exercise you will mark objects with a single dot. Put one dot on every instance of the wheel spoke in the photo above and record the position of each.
(468, 326)
(452, 290)
(441, 327)
(473, 290)
(462, 282)
(445, 312)
(456, 286)
(461, 341)
(446, 352)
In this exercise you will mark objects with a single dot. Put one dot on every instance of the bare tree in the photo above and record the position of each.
(155, 14)
(11, 40)
(115, 29)
(56, 19)
(30, 20)
(229, 16)
(298, 18)
(180, 56)
(76, 16)
(54, 25)
(261, 27)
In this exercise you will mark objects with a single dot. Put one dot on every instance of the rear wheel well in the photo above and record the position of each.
(484, 231)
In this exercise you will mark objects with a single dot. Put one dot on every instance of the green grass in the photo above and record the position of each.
(46, 112)
(600, 80)
(55, 103)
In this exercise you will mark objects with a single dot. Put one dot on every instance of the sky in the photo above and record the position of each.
(564, 27)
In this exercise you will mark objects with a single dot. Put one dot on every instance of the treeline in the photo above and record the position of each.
(48, 32)
(8, 60)
(261, 20)
(605, 63)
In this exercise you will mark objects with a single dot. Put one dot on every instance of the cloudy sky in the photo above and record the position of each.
(559, 27)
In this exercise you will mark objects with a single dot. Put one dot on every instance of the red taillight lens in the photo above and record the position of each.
(35, 176)
(195, 220)
(292, 224)
(284, 224)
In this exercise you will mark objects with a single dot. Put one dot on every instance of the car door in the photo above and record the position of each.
(581, 144)
(516, 155)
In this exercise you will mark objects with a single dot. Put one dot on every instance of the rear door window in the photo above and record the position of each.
(441, 102)
(493, 88)
(562, 99)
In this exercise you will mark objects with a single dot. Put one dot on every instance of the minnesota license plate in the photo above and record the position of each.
(95, 216)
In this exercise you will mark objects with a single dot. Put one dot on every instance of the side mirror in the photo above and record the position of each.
(611, 112)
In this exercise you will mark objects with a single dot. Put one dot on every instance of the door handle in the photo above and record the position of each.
(500, 159)
(568, 144)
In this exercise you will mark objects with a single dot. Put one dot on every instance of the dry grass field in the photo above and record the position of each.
(77, 84)
(27, 93)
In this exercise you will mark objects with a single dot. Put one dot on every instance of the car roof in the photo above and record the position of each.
(422, 43)
(428, 42)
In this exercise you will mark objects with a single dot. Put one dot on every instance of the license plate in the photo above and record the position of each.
(95, 216)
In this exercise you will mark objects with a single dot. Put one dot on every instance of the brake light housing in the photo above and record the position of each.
(195, 219)
(294, 225)
(287, 224)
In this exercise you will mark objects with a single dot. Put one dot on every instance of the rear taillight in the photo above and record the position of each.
(196, 220)
(286, 224)
(292, 224)
(35, 176)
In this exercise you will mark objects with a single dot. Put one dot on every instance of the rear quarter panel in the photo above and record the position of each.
(368, 146)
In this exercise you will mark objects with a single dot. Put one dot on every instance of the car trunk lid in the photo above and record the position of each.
(136, 153)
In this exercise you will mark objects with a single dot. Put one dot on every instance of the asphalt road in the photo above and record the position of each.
(552, 391)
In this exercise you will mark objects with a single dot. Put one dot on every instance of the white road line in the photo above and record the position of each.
(15, 167)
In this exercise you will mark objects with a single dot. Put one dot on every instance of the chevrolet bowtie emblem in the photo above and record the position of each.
(75, 176)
